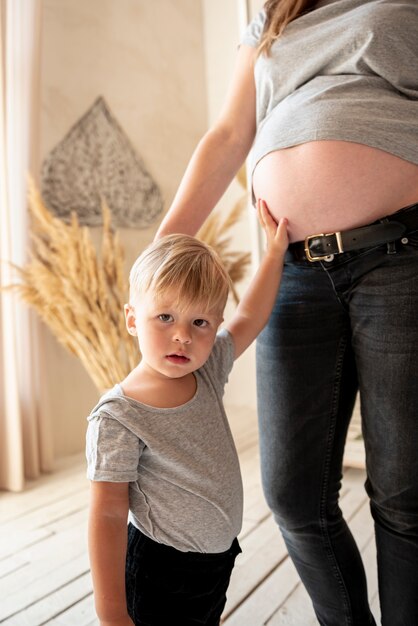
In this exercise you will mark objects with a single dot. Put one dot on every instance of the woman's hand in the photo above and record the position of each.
(276, 233)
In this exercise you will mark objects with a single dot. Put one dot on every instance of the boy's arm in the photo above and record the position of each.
(107, 538)
(257, 302)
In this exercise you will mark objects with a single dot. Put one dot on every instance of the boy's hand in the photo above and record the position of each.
(276, 234)
(258, 300)
(121, 622)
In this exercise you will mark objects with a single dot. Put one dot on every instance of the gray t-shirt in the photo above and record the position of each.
(185, 483)
(348, 70)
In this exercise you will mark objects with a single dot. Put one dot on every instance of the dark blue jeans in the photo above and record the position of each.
(165, 586)
(339, 326)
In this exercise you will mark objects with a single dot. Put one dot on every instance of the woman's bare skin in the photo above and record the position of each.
(324, 186)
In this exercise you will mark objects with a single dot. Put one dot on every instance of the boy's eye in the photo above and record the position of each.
(200, 323)
(165, 317)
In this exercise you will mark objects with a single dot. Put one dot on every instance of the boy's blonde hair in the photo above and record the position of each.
(185, 266)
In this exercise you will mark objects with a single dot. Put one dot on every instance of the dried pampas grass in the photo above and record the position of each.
(80, 294)
(216, 232)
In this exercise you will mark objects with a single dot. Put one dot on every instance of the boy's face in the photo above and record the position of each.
(173, 342)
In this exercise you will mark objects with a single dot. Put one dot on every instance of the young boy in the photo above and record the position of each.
(159, 447)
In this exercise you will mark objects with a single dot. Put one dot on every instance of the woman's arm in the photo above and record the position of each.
(107, 538)
(258, 300)
(219, 154)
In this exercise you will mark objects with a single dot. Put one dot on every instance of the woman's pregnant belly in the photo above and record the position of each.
(326, 186)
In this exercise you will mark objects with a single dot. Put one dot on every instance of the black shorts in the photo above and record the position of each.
(165, 586)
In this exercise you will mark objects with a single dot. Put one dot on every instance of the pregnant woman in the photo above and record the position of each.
(326, 95)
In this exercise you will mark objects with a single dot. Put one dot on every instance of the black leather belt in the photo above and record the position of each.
(385, 230)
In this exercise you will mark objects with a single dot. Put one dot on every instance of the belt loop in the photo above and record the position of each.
(391, 245)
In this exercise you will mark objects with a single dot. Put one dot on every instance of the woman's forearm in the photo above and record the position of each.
(216, 160)
(220, 153)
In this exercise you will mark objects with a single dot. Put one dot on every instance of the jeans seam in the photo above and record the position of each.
(325, 482)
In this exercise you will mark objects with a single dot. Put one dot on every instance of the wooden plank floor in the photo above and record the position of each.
(44, 570)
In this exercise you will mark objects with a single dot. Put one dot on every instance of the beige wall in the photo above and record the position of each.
(146, 57)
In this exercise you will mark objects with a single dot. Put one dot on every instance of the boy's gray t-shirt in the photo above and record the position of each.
(347, 70)
(185, 483)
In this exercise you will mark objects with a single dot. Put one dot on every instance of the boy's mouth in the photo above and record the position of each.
(178, 358)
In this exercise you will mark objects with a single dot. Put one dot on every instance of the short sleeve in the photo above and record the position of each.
(254, 30)
(112, 450)
(219, 364)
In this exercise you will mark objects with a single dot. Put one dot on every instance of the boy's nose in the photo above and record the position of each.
(182, 336)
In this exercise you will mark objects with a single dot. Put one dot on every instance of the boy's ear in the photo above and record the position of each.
(130, 319)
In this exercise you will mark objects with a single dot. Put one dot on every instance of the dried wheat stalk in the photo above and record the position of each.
(79, 296)
(215, 232)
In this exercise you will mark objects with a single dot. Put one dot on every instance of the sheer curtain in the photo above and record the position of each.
(25, 439)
